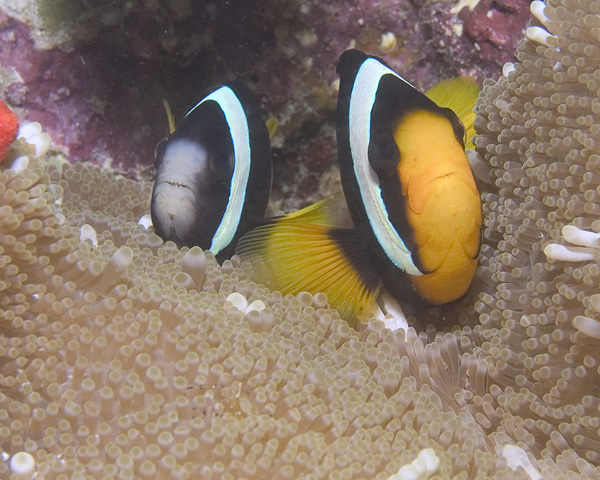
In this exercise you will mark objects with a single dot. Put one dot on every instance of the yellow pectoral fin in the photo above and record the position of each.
(272, 126)
(433, 236)
(450, 213)
(468, 228)
(450, 266)
(297, 257)
(170, 117)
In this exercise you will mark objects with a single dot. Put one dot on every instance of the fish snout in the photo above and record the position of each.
(173, 210)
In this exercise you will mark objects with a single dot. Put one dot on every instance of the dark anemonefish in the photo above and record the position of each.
(414, 210)
(213, 172)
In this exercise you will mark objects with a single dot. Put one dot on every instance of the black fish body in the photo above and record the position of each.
(213, 172)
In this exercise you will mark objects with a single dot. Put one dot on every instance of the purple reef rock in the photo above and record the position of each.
(475, 40)
(95, 77)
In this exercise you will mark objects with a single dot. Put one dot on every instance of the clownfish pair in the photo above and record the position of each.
(414, 210)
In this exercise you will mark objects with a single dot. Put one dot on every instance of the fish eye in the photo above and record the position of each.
(159, 151)
(384, 155)
(221, 165)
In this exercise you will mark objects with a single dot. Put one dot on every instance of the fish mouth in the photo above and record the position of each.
(174, 194)
(176, 183)
(173, 210)
(443, 175)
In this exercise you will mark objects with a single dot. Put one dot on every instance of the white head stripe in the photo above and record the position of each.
(240, 135)
(362, 100)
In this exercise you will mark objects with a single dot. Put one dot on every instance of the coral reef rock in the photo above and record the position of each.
(95, 73)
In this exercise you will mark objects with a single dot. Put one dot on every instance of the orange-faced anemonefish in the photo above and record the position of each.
(415, 213)
(213, 172)
(407, 181)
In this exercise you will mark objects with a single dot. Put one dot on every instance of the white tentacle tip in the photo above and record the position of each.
(256, 305)
(237, 301)
(537, 10)
(555, 251)
(583, 238)
(422, 467)
(394, 316)
(585, 246)
(88, 232)
(20, 164)
(22, 463)
(145, 221)
(538, 35)
(517, 458)
(32, 133)
(508, 68)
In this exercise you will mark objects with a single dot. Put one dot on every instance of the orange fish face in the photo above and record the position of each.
(443, 204)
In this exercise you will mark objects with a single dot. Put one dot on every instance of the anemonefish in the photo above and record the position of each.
(213, 172)
(407, 181)
(415, 212)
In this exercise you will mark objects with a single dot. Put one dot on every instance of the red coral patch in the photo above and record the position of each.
(9, 126)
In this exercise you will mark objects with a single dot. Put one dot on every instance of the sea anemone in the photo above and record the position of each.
(126, 357)
(538, 128)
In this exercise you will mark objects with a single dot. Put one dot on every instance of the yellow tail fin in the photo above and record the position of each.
(292, 256)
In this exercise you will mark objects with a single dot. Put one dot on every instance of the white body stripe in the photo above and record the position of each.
(361, 103)
(240, 135)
